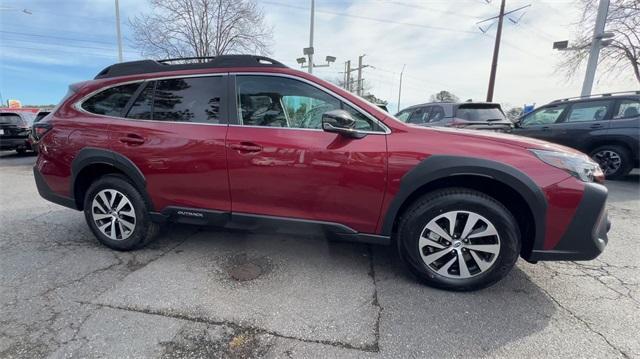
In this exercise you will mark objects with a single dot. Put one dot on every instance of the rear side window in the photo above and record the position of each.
(110, 102)
(437, 114)
(195, 99)
(588, 111)
(628, 109)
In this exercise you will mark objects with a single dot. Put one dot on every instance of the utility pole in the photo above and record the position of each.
(119, 35)
(496, 51)
(596, 45)
(496, 46)
(359, 85)
(347, 82)
(400, 87)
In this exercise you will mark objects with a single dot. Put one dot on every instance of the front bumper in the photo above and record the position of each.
(586, 235)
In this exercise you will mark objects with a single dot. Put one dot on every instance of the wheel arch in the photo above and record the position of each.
(613, 141)
(92, 163)
(515, 190)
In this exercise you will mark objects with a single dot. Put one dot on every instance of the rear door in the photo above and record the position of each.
(174, 132)
(625, 125)
(584, 123)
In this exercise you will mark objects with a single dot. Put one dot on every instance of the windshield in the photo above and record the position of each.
(479, 113)
(10, 119)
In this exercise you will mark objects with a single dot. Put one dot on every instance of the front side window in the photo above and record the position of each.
(437, 114)
(544, 116)
(419, 116)
(112, 101)
(282, 102)
(628, 109)
(588, 111)
(404, 115)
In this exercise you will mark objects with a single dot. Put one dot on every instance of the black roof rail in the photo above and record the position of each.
(150, 66)
(608, 94)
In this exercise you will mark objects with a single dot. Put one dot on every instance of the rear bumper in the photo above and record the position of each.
(14, 143)
(46, 192)
(586, 235)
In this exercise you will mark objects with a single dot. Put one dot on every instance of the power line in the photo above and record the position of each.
(386, 21)
(54, 37)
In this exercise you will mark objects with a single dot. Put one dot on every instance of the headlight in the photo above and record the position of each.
(578, 165)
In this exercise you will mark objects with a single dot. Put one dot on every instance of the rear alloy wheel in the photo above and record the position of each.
(117, 214)
(458, 239)
(613, 160)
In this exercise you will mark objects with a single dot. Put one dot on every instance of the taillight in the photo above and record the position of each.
(40, 129)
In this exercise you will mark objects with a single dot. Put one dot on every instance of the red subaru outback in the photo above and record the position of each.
(245, 140)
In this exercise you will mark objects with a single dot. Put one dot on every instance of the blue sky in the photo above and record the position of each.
(62, 42)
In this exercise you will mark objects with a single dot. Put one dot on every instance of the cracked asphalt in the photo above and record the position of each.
(205, 292)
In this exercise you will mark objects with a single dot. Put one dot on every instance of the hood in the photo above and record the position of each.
(503, 138)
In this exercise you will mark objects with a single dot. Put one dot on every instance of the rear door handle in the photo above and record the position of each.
(545, 128)
(132, 139)
(246, 147)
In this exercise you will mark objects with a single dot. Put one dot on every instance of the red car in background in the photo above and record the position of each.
(245, 140)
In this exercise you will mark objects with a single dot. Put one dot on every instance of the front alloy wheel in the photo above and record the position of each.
(459, 244)
(609, 161)
(113, 214)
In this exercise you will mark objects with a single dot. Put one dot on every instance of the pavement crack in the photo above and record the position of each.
(375, 302)
(235, 326)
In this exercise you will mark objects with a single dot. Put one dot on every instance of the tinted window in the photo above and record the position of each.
(479, 113)
(419, 116)
(404, 115)
(282, 102)
(437, 114)
(588, 111)
(627, 109)
(110, 102)
(544, 116)
(194, 99)
(143, 106)
(10, 119)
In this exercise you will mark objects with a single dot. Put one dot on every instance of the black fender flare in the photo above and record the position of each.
(437, 167)
(92, 155)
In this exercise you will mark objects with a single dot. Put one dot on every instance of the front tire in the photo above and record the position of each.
(117, 214)
(458, 239)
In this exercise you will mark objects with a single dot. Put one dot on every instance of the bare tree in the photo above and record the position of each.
(190, 28)
(622, 56)
(444, 96)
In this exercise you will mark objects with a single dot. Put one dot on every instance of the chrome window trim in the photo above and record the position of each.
(78, 104)
(385, 128)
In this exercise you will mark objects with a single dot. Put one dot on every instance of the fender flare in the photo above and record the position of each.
(91, 155)
(437, 167)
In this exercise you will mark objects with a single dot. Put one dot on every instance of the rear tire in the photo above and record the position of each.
(479, 249)
(21, 151)
(615, 161)
(117, 214)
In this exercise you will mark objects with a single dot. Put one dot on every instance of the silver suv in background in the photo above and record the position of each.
(468, 115)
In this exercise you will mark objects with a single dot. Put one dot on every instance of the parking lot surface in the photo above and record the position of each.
(206, 292)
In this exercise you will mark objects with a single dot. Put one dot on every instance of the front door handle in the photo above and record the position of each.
(545, 128)
(132, 139)
(246, 147)
(596, 125)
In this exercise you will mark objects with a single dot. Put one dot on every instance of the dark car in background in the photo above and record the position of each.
(14, 132)
(34, 133)
(606, 127)
(468, 115)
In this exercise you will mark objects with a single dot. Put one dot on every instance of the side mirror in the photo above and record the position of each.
(340, 121)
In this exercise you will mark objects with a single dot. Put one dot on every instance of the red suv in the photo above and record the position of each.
(242, 140)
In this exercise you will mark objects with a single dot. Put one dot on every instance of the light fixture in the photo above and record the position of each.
(301, 60)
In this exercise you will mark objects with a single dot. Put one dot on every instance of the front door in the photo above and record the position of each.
(281, 163)
(174, 133)
(584, 122)
(538, 124)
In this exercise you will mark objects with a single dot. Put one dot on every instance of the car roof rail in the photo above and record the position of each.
(599, 95)
(186, 63)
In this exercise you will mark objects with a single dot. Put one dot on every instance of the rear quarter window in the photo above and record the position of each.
(110, 102)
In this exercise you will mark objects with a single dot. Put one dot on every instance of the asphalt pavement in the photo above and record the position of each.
(206, 292)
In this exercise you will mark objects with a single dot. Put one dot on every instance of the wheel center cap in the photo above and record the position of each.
(457, 244)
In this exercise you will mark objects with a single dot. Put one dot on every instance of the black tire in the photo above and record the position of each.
(606, 155)
(144, 229)
(429, 207)
(21, 151)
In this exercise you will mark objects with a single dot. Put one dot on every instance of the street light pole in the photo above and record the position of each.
(596, 45)
(400, 87)
(313, 4)
(118, 34)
